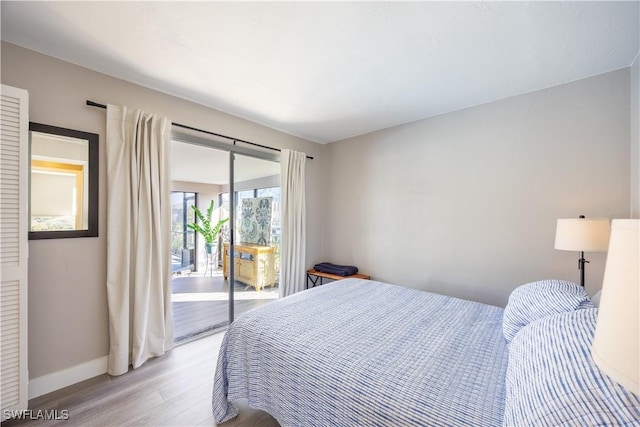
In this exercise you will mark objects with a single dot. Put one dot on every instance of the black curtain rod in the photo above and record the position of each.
(95, 104)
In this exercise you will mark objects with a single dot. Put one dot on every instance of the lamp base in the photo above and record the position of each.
(581, 263)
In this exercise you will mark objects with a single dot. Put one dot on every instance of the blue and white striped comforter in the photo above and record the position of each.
(364, 353)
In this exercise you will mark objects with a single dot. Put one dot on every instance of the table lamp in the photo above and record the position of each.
(616, 345)
(582, 235)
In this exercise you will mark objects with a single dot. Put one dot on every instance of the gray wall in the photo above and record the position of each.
(67, 295)
(466, 203)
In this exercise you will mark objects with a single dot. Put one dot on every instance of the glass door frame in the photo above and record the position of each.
(232, 150)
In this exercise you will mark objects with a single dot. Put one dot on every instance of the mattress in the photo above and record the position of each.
(359, 352)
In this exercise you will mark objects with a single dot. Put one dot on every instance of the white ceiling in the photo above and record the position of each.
(326, 71)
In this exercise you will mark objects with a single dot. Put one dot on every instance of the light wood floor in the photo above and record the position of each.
(173, 390)
(193, 316)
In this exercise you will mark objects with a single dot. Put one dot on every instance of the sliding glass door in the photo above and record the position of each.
(256, 232)
(219, 276)
(200, 294)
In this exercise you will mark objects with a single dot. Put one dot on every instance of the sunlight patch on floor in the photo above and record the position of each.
(224, 296)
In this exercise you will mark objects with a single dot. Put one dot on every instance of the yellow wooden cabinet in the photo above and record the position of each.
(253, 264)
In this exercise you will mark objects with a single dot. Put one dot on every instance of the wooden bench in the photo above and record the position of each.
(319, 275)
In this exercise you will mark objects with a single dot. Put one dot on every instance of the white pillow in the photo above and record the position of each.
(536, 300)
(596, 298)
(551, 379)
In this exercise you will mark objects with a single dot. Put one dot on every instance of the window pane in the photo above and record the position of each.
(247, 194)
(182, 238)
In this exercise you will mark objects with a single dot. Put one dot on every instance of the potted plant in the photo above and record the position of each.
(205, 226)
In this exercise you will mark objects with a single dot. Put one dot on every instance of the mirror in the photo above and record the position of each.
(63, 183)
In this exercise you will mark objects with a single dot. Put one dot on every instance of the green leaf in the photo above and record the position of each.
(209, 232)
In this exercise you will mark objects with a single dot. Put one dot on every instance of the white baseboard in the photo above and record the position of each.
(57, 380)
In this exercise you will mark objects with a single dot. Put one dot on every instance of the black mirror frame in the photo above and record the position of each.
(92, 138)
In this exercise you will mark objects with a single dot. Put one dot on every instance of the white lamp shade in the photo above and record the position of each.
(616, 345)
(583, 234)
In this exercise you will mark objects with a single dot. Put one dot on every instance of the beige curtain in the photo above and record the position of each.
(293, 245)
(138, 237)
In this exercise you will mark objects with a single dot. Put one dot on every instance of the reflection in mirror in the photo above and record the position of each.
(64, 183)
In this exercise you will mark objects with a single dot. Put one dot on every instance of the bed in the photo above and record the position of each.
(360, 353)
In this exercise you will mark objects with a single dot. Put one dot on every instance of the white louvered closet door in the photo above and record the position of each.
(14, 168)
